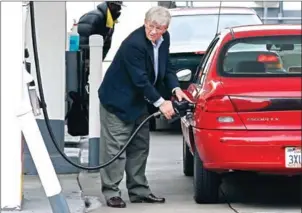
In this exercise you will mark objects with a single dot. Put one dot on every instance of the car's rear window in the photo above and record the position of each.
(263, 56)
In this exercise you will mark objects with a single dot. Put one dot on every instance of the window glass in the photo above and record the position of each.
(264, 56)
(207, 61)
(202, 28)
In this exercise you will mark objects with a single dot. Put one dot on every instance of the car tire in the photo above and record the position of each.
(206, 183)
(188, 160)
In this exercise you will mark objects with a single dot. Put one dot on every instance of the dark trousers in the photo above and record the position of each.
(114, 134)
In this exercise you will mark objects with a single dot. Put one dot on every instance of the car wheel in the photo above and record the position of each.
(206, 183)
(188, 162)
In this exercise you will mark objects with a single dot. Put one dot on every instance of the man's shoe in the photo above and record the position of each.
(149, 199)
(116, 202)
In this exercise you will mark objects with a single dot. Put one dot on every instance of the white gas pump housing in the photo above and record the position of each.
(11, 92)
(50, 22)
(16, 110)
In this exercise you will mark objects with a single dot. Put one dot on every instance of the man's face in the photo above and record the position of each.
(154, 31)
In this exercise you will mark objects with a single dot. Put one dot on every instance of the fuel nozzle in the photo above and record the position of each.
(181, 109)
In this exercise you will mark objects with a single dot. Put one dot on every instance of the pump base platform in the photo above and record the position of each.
(61, 166)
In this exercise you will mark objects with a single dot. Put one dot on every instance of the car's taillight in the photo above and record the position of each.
(218, 104)
(235, 104)
(271, 61)
(248, 104)
(267, 58)
(219, 113)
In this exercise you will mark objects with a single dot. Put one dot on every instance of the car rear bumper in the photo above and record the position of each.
(260, 151)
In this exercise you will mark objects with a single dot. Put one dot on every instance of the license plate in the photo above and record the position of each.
(293, 157)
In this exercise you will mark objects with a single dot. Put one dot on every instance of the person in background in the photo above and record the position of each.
(100, 21)
(131, 82)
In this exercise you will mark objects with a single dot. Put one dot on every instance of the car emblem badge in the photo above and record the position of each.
(263, 119)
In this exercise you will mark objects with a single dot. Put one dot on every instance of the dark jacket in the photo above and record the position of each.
(127, 86)
(94, 22)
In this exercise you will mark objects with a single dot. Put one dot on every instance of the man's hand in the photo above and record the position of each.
(167, 109)
(181, 95)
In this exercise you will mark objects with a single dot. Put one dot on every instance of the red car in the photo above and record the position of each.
(247, 115)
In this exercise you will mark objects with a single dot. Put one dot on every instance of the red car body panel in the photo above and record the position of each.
(256, 139)
(259, 151)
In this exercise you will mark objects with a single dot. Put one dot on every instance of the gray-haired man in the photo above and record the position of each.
(140, 65)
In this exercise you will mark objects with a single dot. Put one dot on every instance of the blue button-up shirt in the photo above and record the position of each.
(156, 47)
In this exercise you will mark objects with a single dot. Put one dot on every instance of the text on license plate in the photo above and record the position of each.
(293, 157)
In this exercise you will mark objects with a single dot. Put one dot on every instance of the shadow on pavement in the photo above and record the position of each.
(264, 190)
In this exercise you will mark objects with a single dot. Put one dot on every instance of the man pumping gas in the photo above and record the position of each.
(131, 82)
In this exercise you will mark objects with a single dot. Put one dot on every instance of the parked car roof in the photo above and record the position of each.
(211, 10)
(263, 27)
(267, 27)
(261, 30)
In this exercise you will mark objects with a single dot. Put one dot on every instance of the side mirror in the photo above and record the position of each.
(184, 75)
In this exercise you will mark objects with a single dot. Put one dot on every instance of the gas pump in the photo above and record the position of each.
(25, 107)
(30, 108)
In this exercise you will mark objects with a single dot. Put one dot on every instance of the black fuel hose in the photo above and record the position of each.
(45, 113)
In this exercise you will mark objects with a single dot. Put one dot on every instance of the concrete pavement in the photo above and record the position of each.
(246, 194)
(164, 171)
(35, 200)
